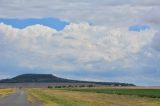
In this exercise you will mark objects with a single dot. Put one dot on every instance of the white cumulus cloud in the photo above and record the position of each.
(77, 46)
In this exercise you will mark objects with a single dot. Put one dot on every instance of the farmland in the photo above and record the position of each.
(95, 96)
(153, 93)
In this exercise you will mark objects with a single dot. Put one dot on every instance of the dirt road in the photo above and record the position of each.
(17, 99)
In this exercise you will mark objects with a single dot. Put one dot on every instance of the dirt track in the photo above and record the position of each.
(16, 99)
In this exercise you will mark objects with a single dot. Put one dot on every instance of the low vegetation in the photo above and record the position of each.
(91, 97)
(153, 93)
(72, 86)
(4, 92)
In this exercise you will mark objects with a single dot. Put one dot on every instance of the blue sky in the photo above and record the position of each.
(56, 37)
(53, 23)
(139, 28)
(23, 23)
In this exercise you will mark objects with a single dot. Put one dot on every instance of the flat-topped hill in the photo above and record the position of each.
(49, 78)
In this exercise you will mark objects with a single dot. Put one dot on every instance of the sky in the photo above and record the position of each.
(107, 40)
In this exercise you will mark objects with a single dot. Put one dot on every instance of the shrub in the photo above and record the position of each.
(90, 85)
(58, 87)
(70, 86)
(50, 87)
(82, 86)
(63, 86)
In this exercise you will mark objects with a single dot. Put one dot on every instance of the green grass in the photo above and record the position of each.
(153, 93)
(92, 97)
(47, 98)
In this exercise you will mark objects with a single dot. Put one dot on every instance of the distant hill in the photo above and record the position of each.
(49, 78)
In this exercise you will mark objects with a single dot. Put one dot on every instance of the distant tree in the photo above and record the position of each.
(57, 86)
(70, 86)
(91, 86)
(75, 86)
(82, 86)
(50, 87)
(63, 86)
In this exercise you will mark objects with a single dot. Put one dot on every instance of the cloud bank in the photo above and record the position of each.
(76, 46)
(106, 40)
(96, 12)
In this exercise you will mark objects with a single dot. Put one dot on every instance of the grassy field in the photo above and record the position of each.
(94, 97)
(153, 93)
(4, 92)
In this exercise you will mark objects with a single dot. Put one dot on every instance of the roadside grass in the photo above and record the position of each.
(56, 97)
(50, 98)
(4, 92)
(153, 93)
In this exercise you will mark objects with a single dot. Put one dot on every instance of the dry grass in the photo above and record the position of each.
(4, 92)
(51, 97)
